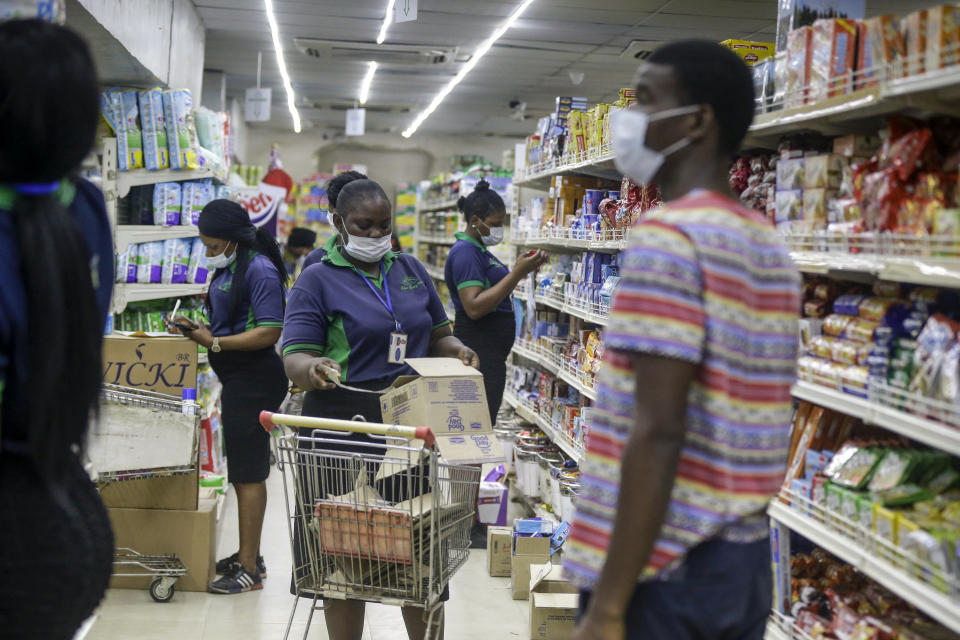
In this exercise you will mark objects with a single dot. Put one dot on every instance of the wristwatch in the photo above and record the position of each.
(215, 347)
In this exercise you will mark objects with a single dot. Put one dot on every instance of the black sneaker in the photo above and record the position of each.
(237, 581)
(226, 565)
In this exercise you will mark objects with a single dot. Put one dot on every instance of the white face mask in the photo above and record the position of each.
(366, 249)
(629, 132)
(222, 260)
(493, 238)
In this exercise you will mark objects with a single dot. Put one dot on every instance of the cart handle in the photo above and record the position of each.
(269, 420)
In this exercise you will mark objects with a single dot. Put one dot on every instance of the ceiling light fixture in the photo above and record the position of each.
(275, 34)
(387, 20)
(467, 68)
(367, 81)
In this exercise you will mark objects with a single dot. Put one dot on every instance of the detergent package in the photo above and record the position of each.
(181, 134)
(150, 262)
(198, 269)
(176, 260)
(167, 204)
(155, 153)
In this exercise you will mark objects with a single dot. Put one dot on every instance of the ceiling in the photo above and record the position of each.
(531, 63)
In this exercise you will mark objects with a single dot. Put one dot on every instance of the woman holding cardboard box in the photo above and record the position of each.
(353, 319)
(245, 304)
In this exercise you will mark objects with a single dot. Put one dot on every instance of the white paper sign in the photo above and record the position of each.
(405, 11)
(356, 121)
(257, 105)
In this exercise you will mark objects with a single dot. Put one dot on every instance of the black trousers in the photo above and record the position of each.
(492, 338)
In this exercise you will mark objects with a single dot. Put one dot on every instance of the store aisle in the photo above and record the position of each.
(480, 607)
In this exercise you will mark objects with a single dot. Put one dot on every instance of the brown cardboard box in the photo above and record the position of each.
(525, 546)
(499, 543)
(448, 397)
(162, 364)
(175, 492)
(520, 573)
(190, 535)
(553, 604)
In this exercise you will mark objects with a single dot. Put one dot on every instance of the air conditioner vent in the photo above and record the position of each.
(395, 55)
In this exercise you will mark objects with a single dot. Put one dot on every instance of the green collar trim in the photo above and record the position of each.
(335, 257)
(331, 242)
(233, 265)
(65, 194)
(463, 235)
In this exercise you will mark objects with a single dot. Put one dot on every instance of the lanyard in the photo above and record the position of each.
(386, 287)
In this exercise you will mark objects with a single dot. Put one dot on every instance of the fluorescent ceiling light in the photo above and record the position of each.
(467, 68)
(367, 81)
(275, 33)
(387, 19)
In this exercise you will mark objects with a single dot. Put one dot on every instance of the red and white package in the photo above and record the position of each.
(832, 57)
(799, 46)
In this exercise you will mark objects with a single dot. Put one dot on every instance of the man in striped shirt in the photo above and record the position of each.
(691, 432)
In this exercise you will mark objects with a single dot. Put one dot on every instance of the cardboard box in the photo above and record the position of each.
(499, 551)
(175, 492)
(448, 397)
(832, 57)
(943, 37)
(751, 52)
(527, 546)
(914, 28)
(520, 573)
(162, 364)
(799, 48)
(190, 535)
(553, 604)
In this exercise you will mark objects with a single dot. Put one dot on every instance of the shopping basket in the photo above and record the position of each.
(382, 521)
(143, 434)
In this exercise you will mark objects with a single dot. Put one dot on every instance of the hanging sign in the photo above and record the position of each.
(405, 11)
(356, 121)
(257, 105)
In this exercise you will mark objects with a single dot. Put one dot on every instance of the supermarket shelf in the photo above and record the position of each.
(598, 316)
(936, 434)
(562, 239)
(597, 164)
(864, 556)
(572, 378)
(539, 510)
(925, 271)
(434, 271)
(570, 448)
(438, 205)
(536, 358)
(781, 627)
(428, 239)
(138, 177)
(124, 293)
(563, 371)
(136, 233)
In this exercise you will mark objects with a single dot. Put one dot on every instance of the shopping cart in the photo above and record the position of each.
(143, 434)
(383, 521)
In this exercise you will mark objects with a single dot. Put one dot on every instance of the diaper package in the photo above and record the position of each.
(167, 200)
(155, 153)
(150, 262)
(181, 133)
(176, 260)
(124, 118)
(197, 270)
(223, 192)
(195, 196)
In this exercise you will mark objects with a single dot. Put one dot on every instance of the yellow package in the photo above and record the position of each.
(598, 138)
(751, 52)
(885, 523)
(575, 122)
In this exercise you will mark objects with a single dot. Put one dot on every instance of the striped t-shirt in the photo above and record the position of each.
(706, 281)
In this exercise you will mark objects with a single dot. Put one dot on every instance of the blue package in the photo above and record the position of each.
(848, 305)
(559, 537)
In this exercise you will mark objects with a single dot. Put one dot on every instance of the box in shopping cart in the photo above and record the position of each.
(447, 396)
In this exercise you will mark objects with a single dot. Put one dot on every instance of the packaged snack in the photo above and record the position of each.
(799, 45)
(752, 52)
(915, 41)
(815, 203)
(892, 470)
(902, 495)
(181, 134)
(833, 50)
(176, 258)
(835, 325)
(885, 523)
(156, 155)
(857, 470)
(856, 145)
(166, 204)
(848, 305)
(789, 205)
(790, 174)
(910, 152)
(822, 171)
(875, 309)
(861, 330)
(150, 262)
(882, 47)
(943, 37)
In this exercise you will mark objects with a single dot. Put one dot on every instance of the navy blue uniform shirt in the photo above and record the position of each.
(85, 201)
(333, 313)
(316, 255)
(470, 264)
(261, 305)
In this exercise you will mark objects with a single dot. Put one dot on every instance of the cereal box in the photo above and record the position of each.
(834, 45)
(914, 29)
(751, 52)
(798, 66)
(882, 49)
(943, 37)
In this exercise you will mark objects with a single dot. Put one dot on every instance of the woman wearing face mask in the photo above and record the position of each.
(343, 315)
(245, 307)
(480, 286)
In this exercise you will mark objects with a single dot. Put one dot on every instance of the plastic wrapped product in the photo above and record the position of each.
(790, 174)
(176, 258)
(885, 46)
(835, 325)
(815, 203)
(222, 193)
(914, 28)
(789, 205)
(181, 134)
(126, 125)
(156, 155)
(197, 269)
(857, 470)
(833, 50)
(167, 204)
(824, 171)
(123, 262)
(132, 262)
(150, 262)
(892, 471)
(798, 66)
(943, 37)
(848, 305)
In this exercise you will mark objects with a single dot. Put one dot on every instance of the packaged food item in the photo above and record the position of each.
(856, 145)
(882, 46)
(799, 45)
(835, 325)
(823, 171)
(902, 495)
(789, 205)
(181, 134)
(790, 174)
(167, 201)
(857, 470)
(156, 155)
(815, 202)
(752, 53)
(150, 262)
(833, 52)
(915, 41)
(892, 470)
(848, 305)
(875, 309)
(943, 37)
(885, 523)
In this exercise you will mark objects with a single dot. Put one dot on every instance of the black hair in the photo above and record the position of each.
(43, 138)
(482, 202)
(301, 237)
(356, 192)
(227, 220)
(709, 73)
(338, 183)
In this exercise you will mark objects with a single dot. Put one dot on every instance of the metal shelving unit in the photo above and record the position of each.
(569, 447)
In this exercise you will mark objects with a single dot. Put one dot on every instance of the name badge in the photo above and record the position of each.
(398, 348)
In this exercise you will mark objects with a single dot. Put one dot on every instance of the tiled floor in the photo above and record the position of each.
(480, 607)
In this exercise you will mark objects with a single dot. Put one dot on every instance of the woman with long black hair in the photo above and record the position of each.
(56, 274)
(245, 306)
